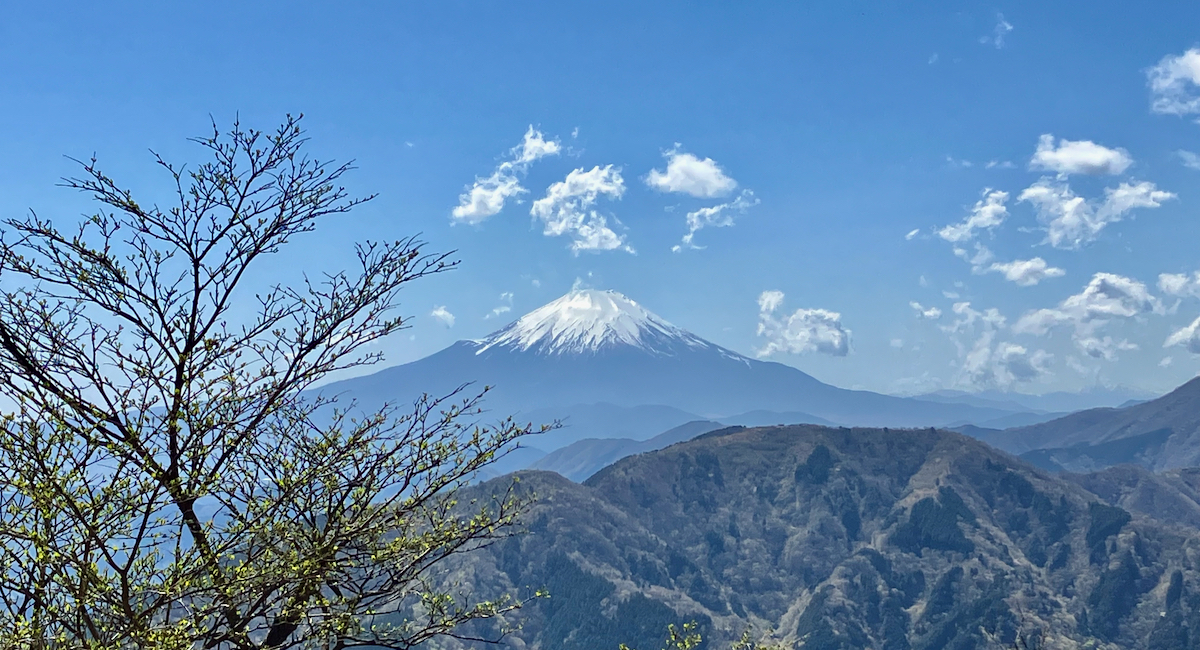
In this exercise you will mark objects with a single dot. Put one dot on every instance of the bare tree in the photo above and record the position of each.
(167, 478)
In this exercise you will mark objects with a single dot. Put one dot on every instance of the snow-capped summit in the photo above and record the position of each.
(587, 321)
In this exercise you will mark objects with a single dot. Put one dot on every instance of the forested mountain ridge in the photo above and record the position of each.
(829, 538)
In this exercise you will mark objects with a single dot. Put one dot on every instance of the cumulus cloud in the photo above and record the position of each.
(1166, 361)
(992, 364)
(1106, 297)
(568, 209)
(443, 315)
(1071, 221)
(717, 216)
(1026, 273)
(989, 364)
(987, 213)
(1180, 284)
(688, 174)
(996, 38)
(912, 233)
(802, 332)
(1078, 157)
(932, 313)
(1174, 82)
(487, 196)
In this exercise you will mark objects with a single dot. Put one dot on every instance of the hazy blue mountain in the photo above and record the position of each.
(771, 418)
(1014, 420)
(1054, 402)
(1160, 434)
(583, 421)
(845, 539)
(593, 347)
(580, 460)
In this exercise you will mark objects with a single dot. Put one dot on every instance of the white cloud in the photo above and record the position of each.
(1078, 157)
(1180, 284)
(717, 216)
(1174, 82)
(506, 301)
(1190, 159)
(982, 256)
(897, 343)
(1026, 273)
(999, 164)
(1020, 364)
(567, 209)
(1188, 337)
(804, 331)
(933, 58)
(769, 301)
(1106, 297)
(989, 364)
(487, 196)
(912, 233)
(688, 174)
(990, 318)
(1166, 361)
(1002, 28)
(1071, 221)
(959, 164)
(988, 213)
(932, 313)
(1105, 347)
(952, 295)
(442, 314)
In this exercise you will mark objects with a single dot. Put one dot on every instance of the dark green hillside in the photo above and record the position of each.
(840, 538)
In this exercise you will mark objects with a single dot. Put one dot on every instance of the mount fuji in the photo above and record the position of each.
(600, 348)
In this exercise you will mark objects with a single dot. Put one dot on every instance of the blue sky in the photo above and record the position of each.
(831, 130)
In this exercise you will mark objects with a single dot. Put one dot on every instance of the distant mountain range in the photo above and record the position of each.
(599, 347)
(1159, 434)
(581, 460)
(1054, 402)
(840, 539)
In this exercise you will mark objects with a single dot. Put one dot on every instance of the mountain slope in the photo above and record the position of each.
(840, 539)
(598, 346)
(1160, 434)
(580, 460)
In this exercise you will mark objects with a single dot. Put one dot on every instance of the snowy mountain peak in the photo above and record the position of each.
(585, 321)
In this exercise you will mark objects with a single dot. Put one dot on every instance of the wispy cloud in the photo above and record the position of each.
(505, 306)
(999, 32)
(987, 213)
(717, 216)
(488, 195)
